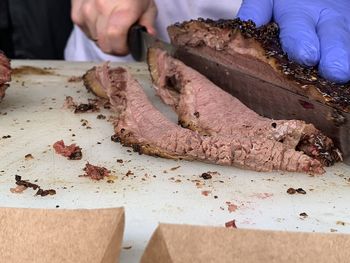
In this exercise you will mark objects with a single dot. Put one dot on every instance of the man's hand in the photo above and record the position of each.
(107, 22)
(311, 31)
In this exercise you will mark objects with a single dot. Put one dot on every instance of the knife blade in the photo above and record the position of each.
(139, 40)
(265, 98)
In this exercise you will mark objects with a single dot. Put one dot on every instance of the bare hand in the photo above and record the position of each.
(107, 22)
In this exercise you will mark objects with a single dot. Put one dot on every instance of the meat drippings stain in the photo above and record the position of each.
(29, 70)
(231, 207)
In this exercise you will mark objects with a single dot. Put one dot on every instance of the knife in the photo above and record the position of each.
(265, 98)
(139, 40)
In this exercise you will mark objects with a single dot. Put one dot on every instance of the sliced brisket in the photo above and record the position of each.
(204, 107)
(5, 74)
(258, 51)
(140, 125)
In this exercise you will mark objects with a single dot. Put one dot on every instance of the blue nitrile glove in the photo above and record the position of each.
(311, 31)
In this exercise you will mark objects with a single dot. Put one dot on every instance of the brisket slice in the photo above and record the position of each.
(139, 124)
(258, 52)
(5, 74)
(204, 107)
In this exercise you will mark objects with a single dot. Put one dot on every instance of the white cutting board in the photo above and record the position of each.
(33, 116)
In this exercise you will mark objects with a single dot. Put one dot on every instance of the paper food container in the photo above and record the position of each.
(44, 235)
(183, 243)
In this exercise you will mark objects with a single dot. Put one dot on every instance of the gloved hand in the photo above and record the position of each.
(107, 22)
(311, 31)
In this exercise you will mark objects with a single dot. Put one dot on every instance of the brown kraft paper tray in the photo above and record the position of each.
(45, 235)
(184, 243)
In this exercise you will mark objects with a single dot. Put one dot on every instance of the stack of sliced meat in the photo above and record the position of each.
(204, 107)
(5, 74)
(217, 128)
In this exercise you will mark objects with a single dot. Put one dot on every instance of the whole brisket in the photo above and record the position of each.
(5, 74)
(140, 125)
(204, 107)
(258, 52)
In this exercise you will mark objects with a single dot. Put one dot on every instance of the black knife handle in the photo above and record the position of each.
(135, 42)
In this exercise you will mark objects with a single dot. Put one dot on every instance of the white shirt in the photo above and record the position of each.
(80, 48)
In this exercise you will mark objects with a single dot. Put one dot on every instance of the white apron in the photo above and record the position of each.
(80, 48)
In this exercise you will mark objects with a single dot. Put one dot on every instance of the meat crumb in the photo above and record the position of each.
(206, 176)
(206, 192)
(303, 214)
(18, 189)
(75, 79)
(301, 191)
(86, 107)
(115, 138)
(85, 123)
(231, 224)
(24, 184)
(95, 172)
(293, 191)
(101, 117)
(72, 152)
(341, 223)
(129, 173)
(69, 103)
(128, 247)
(90, 106)
(28, 157)
(175, 168)
(209, 174)
(42, 192)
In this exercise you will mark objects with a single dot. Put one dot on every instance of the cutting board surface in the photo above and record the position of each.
(155, 190)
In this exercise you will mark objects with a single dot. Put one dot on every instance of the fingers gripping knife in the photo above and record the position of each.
(264, 97)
